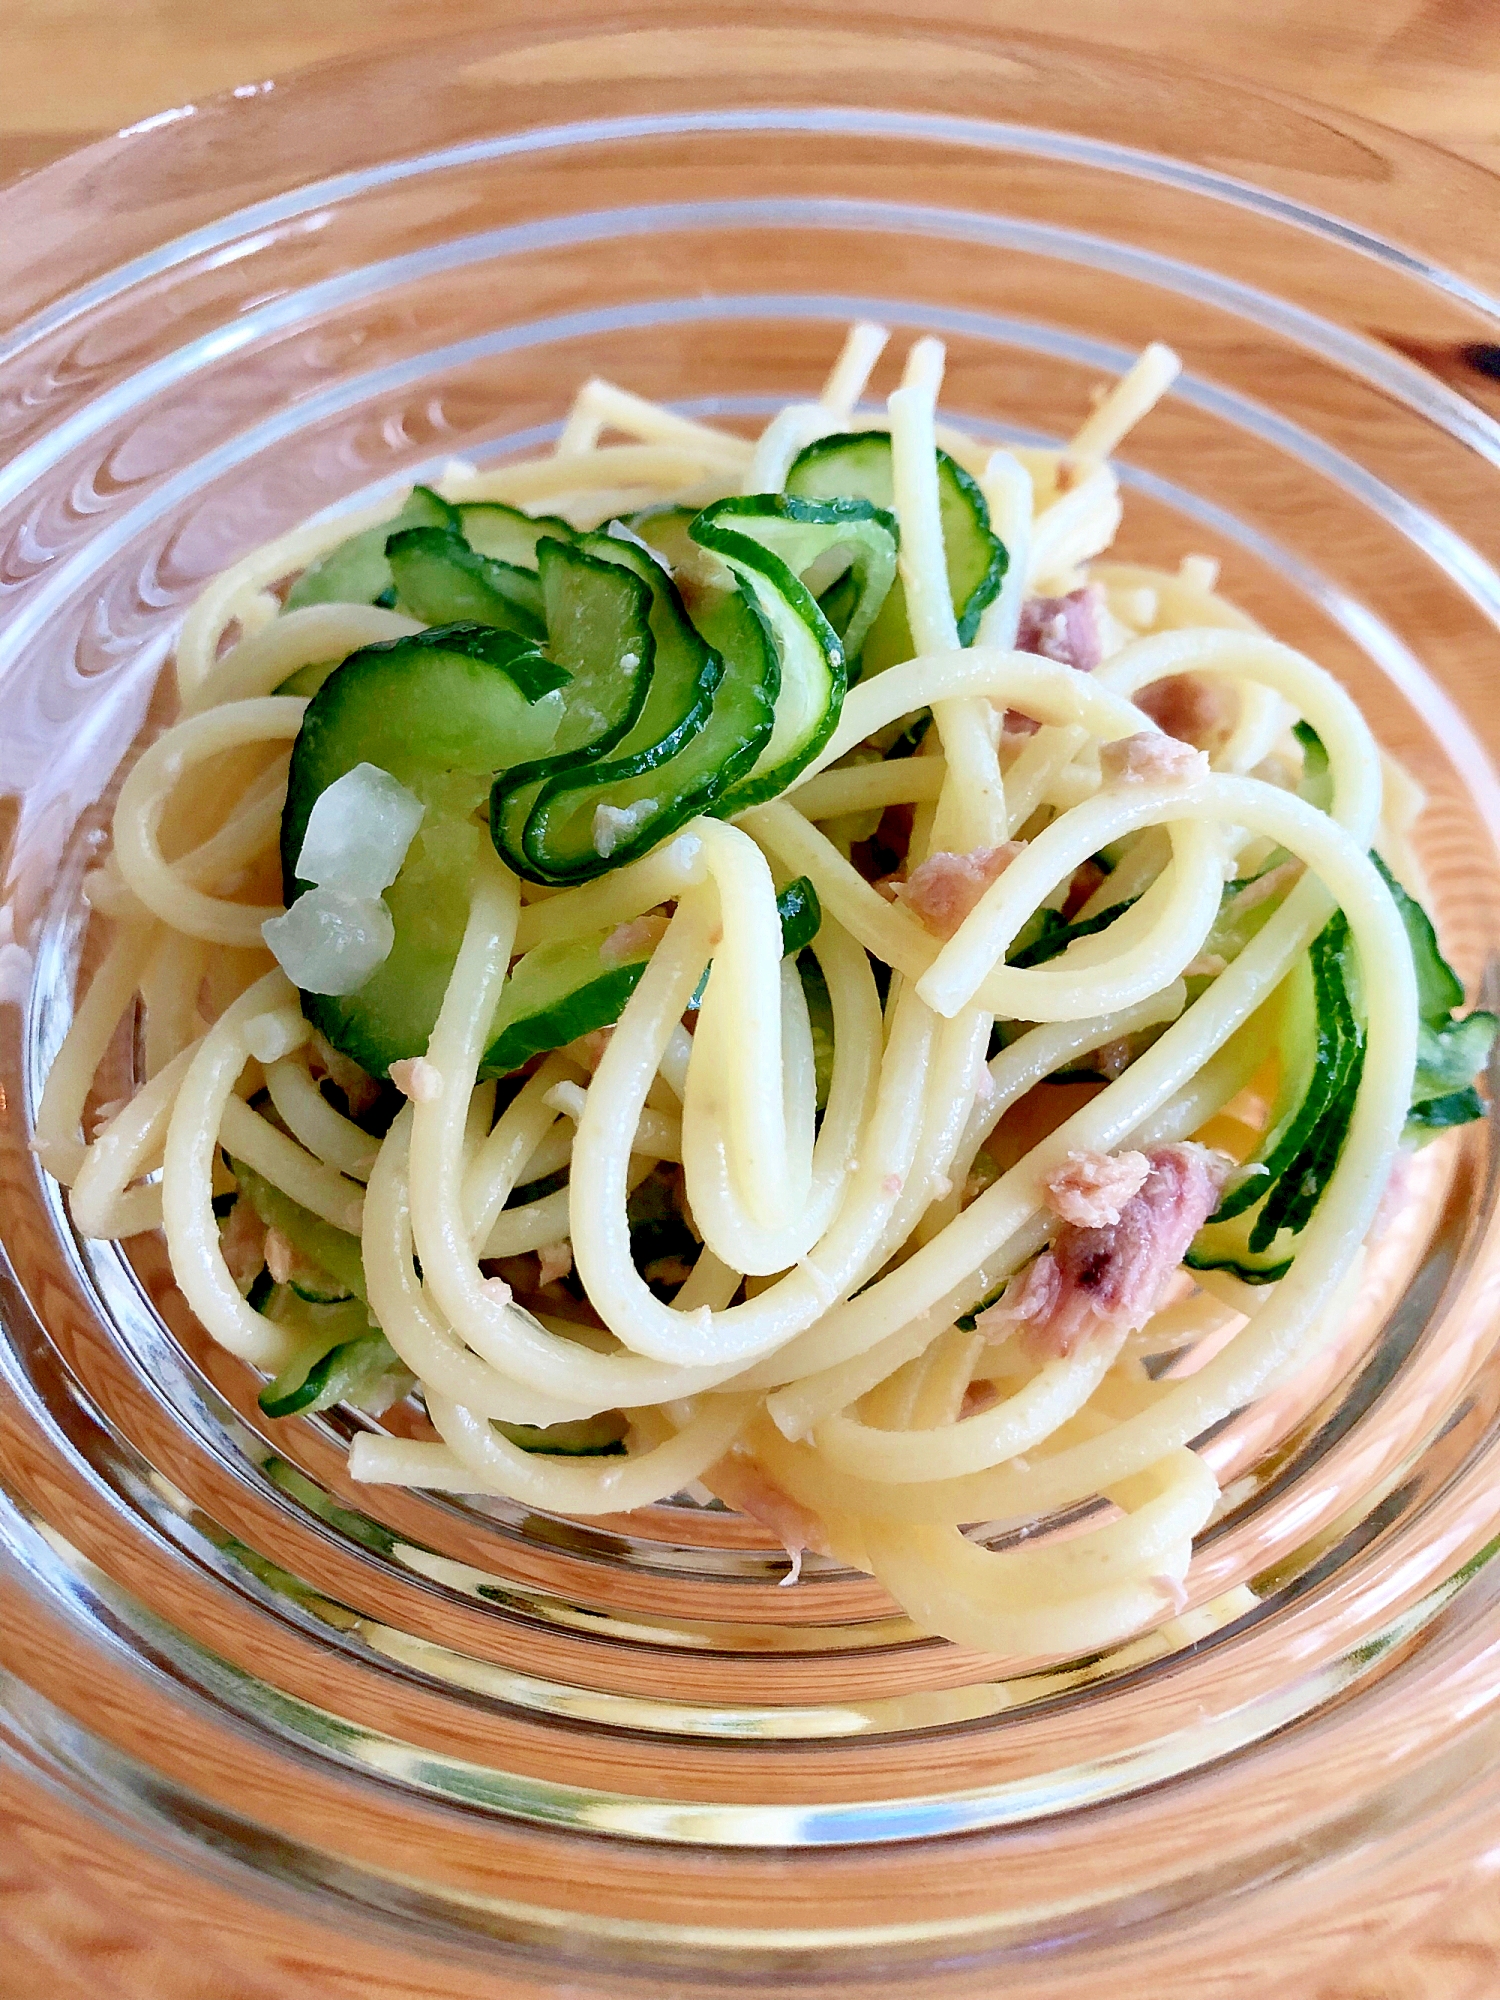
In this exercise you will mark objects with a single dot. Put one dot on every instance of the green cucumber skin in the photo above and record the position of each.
(342, 1374)
(1253, 1230)
(439, 711)
(803, 531)
(506, 534)
(801, 915)
(602, 1436)
(337, 1252)
(857, 464)
(442, 581)
(582, 593)
(555, 994)
(776, 589)
(558, 992)
(665, 530)
(307, 680)
(356, 572)
(558, 835)
(732, 621)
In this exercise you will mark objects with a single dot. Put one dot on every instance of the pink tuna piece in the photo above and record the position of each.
(242, 1243)
(740, 1482)
(556, 1260)
(1066, 629)
(1188, 707)
(629, 941)
(944, 888)
(1091, 1189)
(1110, 1280)
(1151, 758)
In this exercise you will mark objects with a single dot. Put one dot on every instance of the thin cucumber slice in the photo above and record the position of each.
(555, 994)
(838, 604)
(599, 630)
(647, 788)
(1254, 1228)
(561, 991)
(820, 1020)
(844, 549)
(318, 1288)
(505, 533)
(343, 1360)
(857, 465)
(441, 711)
(801, 917)
(307, 680)
(1306, 1047)
(602, 1436)
(332, 1250)
(811, 693)
(666, 530)
(801, 914)
(729, 617)
(1225, 1246)
(356, 572)
(442, 581)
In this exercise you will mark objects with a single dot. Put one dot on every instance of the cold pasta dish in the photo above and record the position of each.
(768, 972)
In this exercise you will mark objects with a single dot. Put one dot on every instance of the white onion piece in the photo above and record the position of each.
(358, 832)
(612, 824)
(330, 941)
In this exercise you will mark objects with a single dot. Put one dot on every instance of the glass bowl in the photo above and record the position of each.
(265, 1732)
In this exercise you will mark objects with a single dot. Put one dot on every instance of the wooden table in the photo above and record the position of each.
(73, 69)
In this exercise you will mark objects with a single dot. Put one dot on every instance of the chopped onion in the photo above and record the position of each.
(358, 832)
(612, 824)
(330, 941)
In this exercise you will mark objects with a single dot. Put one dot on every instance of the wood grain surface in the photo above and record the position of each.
(73, 69)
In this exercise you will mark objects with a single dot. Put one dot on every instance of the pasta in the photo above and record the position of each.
(870, 1225)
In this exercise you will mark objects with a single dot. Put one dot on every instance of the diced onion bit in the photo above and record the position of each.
(358, 832)
(612, 824)
(330, 941)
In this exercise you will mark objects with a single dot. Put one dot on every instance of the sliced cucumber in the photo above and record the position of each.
(1316, 785)
(555, 994)
(343, 1360)
(801, 914)
(1046, 934)
(811, 693)
(599, 629)
(801, 917)
(602, 1436)
(857, 465)
(1254, 1228)
(820, 1020)
(844, 551)
(506, 533)
(666, 530)
(334, 1251)
(1237, 922)
(442, 581)
(356, 572)
(729, 616)
(838, 604)
(317, 1287)
(307, 680)
(1225, 1246)
(441, 711)
(648, 785)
